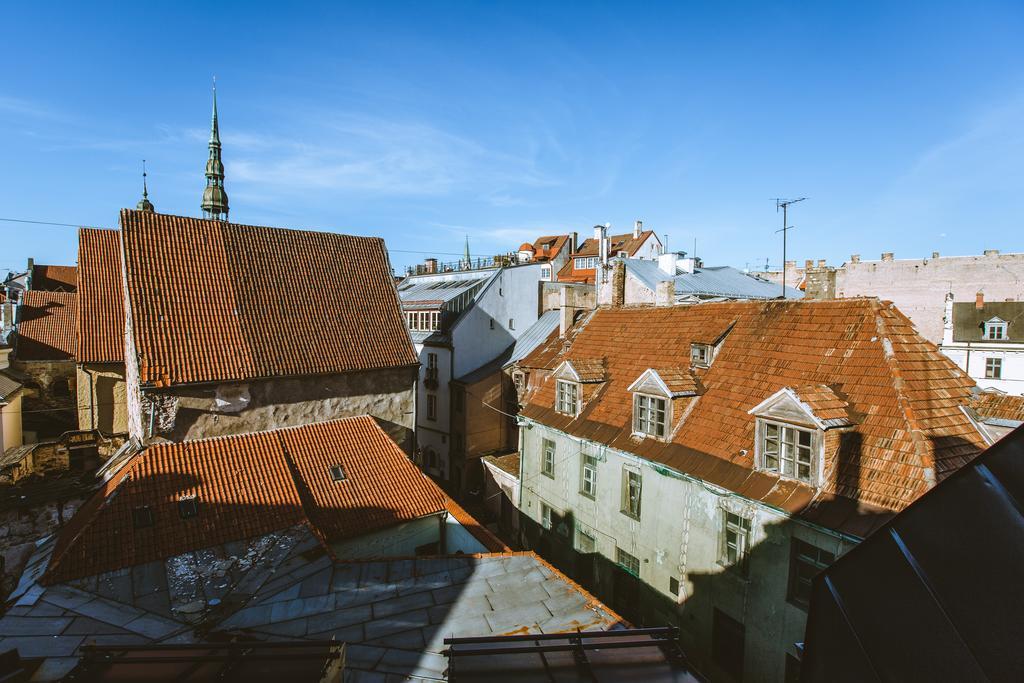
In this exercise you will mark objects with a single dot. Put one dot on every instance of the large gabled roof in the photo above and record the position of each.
(100, 297)
(54, 278)
(47, 326)
(212, 301)
(245, 486)
(908, 398)
(616, 243)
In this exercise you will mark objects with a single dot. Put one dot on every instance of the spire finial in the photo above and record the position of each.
(215, 199)
(144, 203)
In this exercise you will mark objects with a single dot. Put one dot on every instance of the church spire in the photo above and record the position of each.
(144, 203)
(215, 199)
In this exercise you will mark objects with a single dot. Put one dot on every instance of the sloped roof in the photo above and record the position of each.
(216, 301)
(548, 247)
(995, 406)
(709, 281)
(589, 369)
(616, 243)
(969, 320)
(47, 326)
(100, 297)
(245, 486)
(823, 401)
(535, 335)
(8, 386)
(913, 431)
(54, 278)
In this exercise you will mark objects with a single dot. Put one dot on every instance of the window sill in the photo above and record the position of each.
(588, 496)
(550, 476)
(630, 515)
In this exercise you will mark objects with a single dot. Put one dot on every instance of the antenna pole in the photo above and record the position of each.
(784, 205)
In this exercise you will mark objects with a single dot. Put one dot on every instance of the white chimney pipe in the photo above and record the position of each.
(668, 263)
(638, 226)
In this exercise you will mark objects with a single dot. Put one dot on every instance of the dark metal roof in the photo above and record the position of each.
(935, 594)
(969, 320)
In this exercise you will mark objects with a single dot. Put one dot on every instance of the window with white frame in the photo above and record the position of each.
(423, 321)
(547, 516)
(586, 262)
(628, 562)
(545, 273)
(588, 475)
(735, 541)
(995, 329)
(650, 415)
(547, 463)
(631, 484)
(586, 541)
(700, 355)
(993, 368)
(567, 397)
(788, 450)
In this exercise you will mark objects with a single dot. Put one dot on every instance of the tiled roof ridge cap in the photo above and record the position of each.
(144, 218)
(926, 460)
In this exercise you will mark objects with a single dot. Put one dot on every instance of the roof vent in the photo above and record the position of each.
(338, 473)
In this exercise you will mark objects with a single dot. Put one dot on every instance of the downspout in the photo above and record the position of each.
(92, 399)
(152, 417)
(443, 533)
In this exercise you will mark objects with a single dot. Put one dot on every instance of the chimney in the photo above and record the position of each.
(574, 244)
(855, 258)
(991, 252)
(601, 236)
(808, 264)
(947, 321)
(979, 300)
(887, 256)
(821, 263)
(668, 263)
(619, 283)
(430, 265)
(638, 227)
(566, 311)
(935, 254)
(790, 264)
(665, 293)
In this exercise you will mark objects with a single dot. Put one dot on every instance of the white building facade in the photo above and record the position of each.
(986, 339)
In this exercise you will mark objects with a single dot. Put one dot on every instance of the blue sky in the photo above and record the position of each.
(423, 122)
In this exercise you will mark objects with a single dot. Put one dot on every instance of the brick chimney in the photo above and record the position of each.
(935, 254)
(808, 264)
(855, 258)
(979, 300)
(821, 263)
(619, 283)
(991, 252)
(887, 256)
(430, 265)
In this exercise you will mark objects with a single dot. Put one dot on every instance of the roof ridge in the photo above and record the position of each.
(308, 231)
(915, 430)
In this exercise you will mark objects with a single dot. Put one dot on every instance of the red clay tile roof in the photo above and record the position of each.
(100, 297)
(213, 301)
(245, 486)
(823, 402)
(548, 247)
(616, 243)
(679, 379)
(909, 395)
(46, 326)
(54, 278)
(991, 405)
(588, 369)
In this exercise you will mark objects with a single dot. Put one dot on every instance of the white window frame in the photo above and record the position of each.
(788, 449)
(631, 505)
(628, 561)
(700, 355)
(585, 262)
(735, 553)
(548, 451)
(588, 475)
(567, 397)
(547, 516)
(995, 328)
(993, 367)
(545, 273)
(650, 418)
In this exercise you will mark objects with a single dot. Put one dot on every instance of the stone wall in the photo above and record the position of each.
(49, 402)
(21, 526)
(582, 296)
(198, 412)
(102, 398)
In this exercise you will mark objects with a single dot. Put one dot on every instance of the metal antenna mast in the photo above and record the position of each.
(786, 227)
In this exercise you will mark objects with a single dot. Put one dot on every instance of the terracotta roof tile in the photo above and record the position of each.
(215, 301)
(826, 405)
(100, 297)
(906, 395)
(54, 278)
(616, 243)
(46, 326)
(588, 369)
(245, 486)
(991, 405)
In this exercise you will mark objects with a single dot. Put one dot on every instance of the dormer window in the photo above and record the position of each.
(567, 397)
(650, 415)
(700, 355)
(787, 450)
(995, 330)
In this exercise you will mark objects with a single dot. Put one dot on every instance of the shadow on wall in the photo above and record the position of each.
(736, 614)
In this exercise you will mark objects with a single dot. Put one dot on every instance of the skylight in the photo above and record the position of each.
(338, 473)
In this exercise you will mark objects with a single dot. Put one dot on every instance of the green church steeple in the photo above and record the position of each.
(215, 198)
(144, 203)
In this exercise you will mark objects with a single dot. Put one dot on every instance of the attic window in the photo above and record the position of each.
(142, 517)
(566, 397)
(788, 450)
(995, 329)
(650, 415)
(337, 473)
(700, 355)
(188, 507)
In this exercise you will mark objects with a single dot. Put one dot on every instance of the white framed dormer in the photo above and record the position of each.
(789, 438)
(567, 389)
(701, 354)
(995, 330)
(652, 401)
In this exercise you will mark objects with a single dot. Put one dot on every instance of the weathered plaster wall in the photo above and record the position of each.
(582, 296)
(678, 536)
(10, 423)
(205, 411)
(972, 361)
(102, 398)
(48, 405)
(20, 528)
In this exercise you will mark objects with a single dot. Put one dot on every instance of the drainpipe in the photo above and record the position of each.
(92, 400)
(152, 417)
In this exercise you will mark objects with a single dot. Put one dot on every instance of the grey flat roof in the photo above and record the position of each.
(711, 281)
